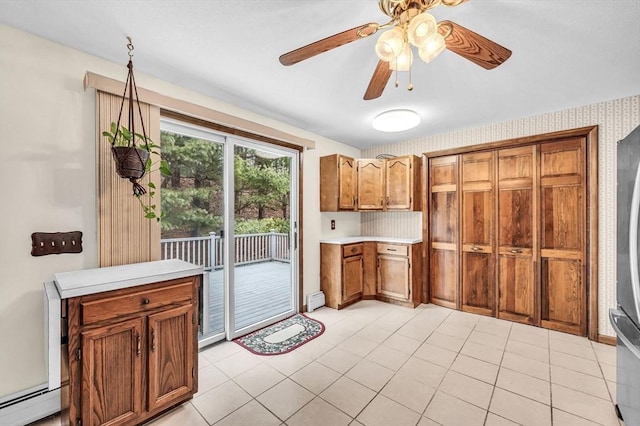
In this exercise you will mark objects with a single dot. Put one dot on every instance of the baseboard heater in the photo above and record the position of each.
(315, 300)
(33, 404)
(29, 406)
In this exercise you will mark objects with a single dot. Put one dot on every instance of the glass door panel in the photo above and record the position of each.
(264, 245)
(193, 205)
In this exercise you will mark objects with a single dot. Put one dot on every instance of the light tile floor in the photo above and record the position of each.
(381, 364)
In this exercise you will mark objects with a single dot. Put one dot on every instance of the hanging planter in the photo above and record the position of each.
(131, 150)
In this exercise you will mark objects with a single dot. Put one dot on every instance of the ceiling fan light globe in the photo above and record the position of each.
(431, 48)
(404, 60)
(451, 2)
(421, 28)
(389, 44)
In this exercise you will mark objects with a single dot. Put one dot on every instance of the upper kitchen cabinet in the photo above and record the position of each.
(403, 183)
(337, 183)
(370, 184)
(371, 193)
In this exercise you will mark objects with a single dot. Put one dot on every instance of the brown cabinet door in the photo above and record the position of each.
(393, 277)
(369, 268)
(370, 184)
(347, 183)
(517, 235)
(337, 183)
(112, 373)
(443, 244)
(563, 235)
(399, 183)
(352, 283)
(171, 351)
(478, 212)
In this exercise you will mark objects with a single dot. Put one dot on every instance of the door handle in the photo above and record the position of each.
(153, 340)
(476, 248)
(138, 345)
(515, 251)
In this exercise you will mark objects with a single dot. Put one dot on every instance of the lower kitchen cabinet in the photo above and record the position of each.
(341, 273)
(399, 271)
(132, 352)
(370, 270)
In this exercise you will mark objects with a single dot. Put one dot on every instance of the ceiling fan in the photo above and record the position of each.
(410, 25)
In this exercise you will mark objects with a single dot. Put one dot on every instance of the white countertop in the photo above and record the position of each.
(90, 281)
(359, 239)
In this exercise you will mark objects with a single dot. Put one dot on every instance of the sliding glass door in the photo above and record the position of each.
(264, 207)
(232, 199)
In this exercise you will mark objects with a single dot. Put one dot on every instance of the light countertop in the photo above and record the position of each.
(359, 239)
(90, 281)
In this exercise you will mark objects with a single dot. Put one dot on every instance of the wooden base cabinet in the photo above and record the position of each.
(399, 273)
(370, 270)
(511, 230)
(341, 273)
(132, 352)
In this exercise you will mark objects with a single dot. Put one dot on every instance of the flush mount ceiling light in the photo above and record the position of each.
(396, 120)
(410, 27)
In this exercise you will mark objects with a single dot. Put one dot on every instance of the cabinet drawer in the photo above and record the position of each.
(352, 250)
(107, 308)
(395, 249)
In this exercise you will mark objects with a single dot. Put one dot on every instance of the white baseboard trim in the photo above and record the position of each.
(31, 408)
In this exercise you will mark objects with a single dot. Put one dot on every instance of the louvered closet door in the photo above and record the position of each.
(563, 235)
(517, 235)
(443, 208)
(477, 272)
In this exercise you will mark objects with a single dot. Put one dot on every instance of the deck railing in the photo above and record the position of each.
(208, 251)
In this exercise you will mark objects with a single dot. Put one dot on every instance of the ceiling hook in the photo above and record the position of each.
(130, 47)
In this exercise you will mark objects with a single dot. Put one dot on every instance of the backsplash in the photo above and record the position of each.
(616, 119)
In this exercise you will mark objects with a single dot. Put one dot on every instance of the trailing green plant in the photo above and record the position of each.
(123, 137)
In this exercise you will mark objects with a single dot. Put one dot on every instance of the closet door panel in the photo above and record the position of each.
(478, 212)
(517, 288)
(443, 277)
(563, 236)
(517, 239)
(443, 244)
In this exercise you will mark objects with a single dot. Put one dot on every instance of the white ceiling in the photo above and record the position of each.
(565, 53)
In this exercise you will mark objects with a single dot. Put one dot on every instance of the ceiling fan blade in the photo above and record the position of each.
(472, 46)
(328, 43)
(378, 81)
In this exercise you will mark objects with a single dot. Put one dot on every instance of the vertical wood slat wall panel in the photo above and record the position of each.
(124, 234)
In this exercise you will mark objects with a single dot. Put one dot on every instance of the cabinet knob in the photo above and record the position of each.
(145, 301)
(353, 250)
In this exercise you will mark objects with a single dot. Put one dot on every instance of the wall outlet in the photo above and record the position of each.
(333, 224)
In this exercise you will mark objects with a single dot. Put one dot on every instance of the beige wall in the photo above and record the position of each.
(615, 119)
(47, 148)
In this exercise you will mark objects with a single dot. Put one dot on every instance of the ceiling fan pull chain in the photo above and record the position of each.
(397, 83)
(410, 86)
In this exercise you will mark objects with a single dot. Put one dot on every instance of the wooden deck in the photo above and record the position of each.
(263, 290)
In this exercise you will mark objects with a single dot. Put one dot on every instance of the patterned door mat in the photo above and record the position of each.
(283, 336)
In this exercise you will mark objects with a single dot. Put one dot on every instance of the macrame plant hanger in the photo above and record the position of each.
(131, 161)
